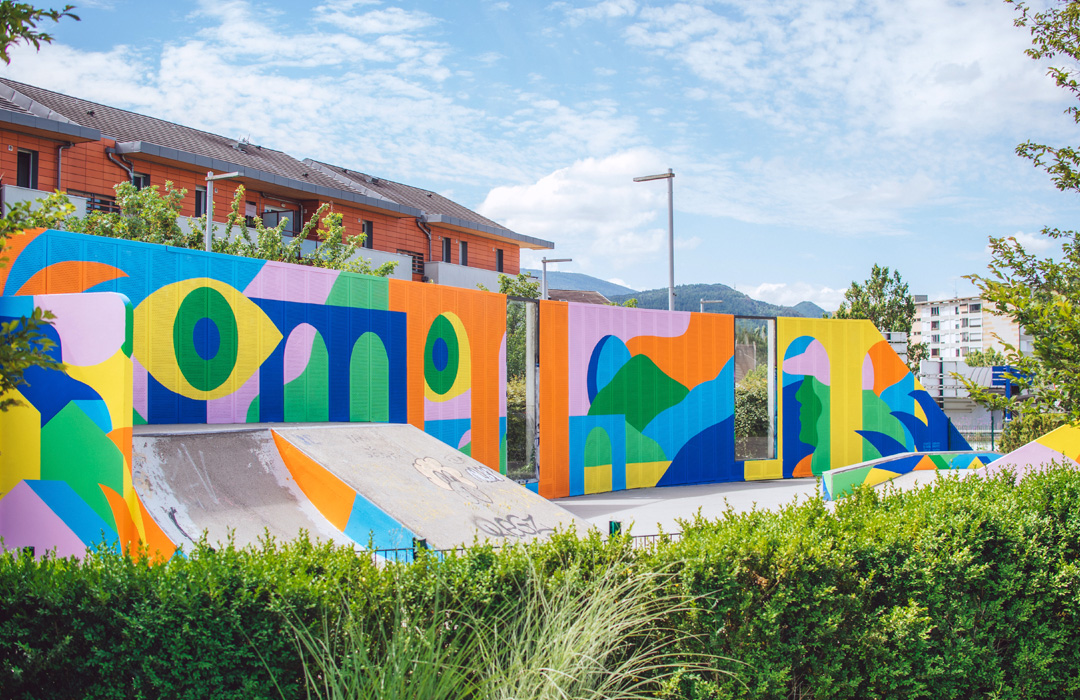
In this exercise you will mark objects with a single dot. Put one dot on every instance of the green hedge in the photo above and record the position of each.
(968, 589)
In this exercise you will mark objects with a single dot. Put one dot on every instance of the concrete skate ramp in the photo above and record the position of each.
(904, 470)
(220, 482)
(432, 490)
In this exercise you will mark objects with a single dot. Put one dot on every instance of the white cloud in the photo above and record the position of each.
(605, 10)
(792, 293)
(1034, 242)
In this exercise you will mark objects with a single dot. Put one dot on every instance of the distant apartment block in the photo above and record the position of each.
(952, 328)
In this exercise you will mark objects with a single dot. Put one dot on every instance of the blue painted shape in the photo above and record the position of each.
(16, 307)
(707, 404)
(903, 465)
(798, 347)
(916, 429)
(881, 442)
(707, 458)
(533, 486)
(97, 411)
(87, 525)
(340, 328)
(369, 523)
(166, 406)
(794, 448)
(440, 354)
(449, 431)
(207, 338)
(608, 357)
(579, 429)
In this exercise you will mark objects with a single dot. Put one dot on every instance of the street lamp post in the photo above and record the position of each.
(210, 177)
(669, 176)
(543, 282)
(710, 301)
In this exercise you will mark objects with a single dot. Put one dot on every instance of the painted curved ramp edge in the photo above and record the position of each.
(837, 483)
(1061, 445)
(415, 481)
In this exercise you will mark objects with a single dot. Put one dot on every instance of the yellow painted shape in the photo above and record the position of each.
(463, 381)
(112, 379)
(598, 479)
(645, 475)
(976, 463)
(879, 476)
(257, 336)
(1065, 440)
(20, 443)
(758, 469)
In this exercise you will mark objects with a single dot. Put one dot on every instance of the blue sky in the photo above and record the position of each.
(809, 138)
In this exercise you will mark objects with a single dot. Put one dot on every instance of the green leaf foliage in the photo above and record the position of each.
(19, 25)
(959, 590)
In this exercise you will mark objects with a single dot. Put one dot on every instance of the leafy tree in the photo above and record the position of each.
(886, 302)
(23, 343)
(520, 286)
(989, 358)
(18, 25)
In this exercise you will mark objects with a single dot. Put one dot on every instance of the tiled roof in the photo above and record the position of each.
(124, 126)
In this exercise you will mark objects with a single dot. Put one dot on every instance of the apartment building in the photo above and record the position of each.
(51, 141)
(952, 328)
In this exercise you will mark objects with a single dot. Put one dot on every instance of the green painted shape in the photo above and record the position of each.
(814, 399)
(640, 391)
(641, 448)
(136, 418)
(441, 381)
(467, 449)
(200, 303)
(940, 462)
(877, 416)
(844, 483)
(597, 448)
(73, 449)
(502, 456)
(129, 328)
(253, 411)
(307, 398)
(369, 380)
(360, 292)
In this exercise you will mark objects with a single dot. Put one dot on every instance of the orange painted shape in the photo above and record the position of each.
(407, 299)
(554, 479)
(803, 467)
(888, 367)
(697, 355)
(925, 464)
(332, 496)
(121, 437)
(70, 277)
(126, 529)
(158, 545)
(14, 248)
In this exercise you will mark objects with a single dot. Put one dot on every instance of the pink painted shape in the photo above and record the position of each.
(139, 389)
(298, 350)
(867, 373)
(234, 407)
(1026, 460)
(812, 362)
(91, 327)
(502, 377)
(457, 407)
(465, 439)
(26, 521)
(588, 323)
(284, 282)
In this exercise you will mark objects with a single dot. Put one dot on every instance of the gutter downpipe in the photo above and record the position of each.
(421, 223)
(110, 153)
(60, 164)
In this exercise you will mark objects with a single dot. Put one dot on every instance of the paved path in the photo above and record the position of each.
(650, 510)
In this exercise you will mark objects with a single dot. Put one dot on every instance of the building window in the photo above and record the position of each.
(933, 352)
(964, 322)
(975, 307)
(446, 243)
(140, 180)
(463, 253)
(498, 260)
(935, 338)
(368, 228)
(27, 169)
(935, 325)
(200, 200)
(417, 261)
(935, 310)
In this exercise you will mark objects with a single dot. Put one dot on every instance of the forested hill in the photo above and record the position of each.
(688, 296)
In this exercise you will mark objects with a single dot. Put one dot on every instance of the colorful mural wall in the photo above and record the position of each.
(635, 397)
(65, 451)
(223, 339)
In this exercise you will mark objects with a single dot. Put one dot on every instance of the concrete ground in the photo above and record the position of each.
(650, 510)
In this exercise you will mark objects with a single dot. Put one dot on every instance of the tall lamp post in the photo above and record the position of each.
(543, 282)
(710, 301)
(669, 176)
(210, 177)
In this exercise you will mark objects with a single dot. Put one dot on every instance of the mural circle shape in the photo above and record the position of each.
(205, 367)
(442, 347)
